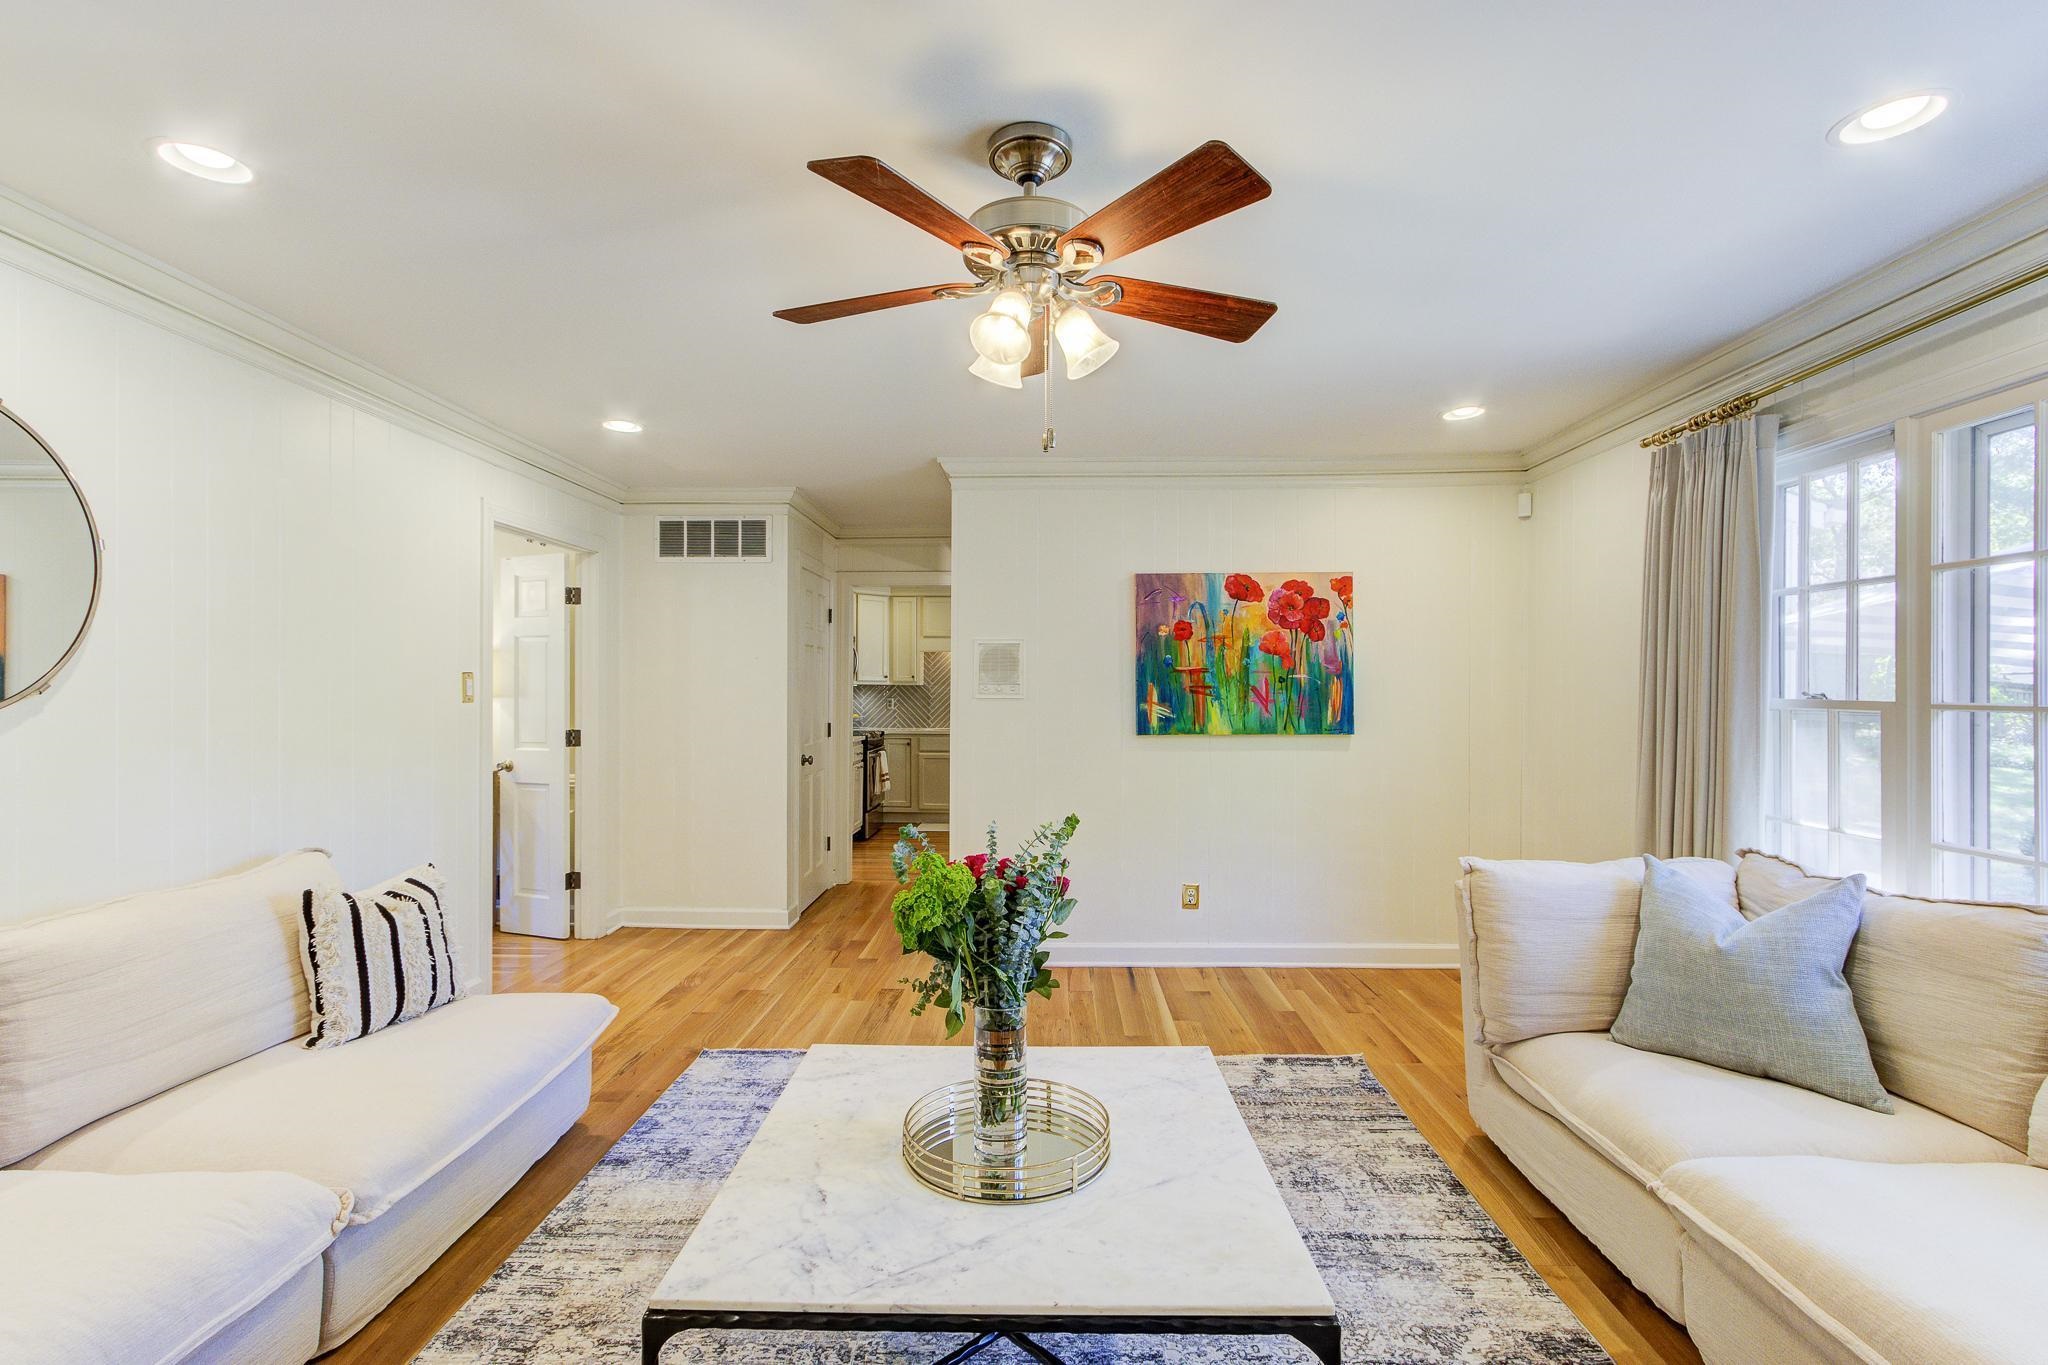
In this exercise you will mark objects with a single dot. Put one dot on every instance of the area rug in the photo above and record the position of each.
(1418, 1271)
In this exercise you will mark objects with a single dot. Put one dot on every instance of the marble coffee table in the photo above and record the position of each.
(821, 1228)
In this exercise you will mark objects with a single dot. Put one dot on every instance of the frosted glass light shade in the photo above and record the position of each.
(999, 338)
(1013, 302)
(1007, 376)
(1086, 346)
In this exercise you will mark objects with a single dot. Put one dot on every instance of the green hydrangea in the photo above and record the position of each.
(936, 895)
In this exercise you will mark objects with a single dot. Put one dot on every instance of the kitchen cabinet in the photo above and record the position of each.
(906, 660)
(920, 775)
(934, 769)
(892, 631)
(871, 637)
(934, 624)
(902, 793)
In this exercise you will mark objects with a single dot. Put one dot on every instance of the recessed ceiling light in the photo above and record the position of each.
(1464, 414)
(621, 424)
(205, 162)
(1893, 117)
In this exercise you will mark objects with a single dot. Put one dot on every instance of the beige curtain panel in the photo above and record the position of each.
(1701, 724)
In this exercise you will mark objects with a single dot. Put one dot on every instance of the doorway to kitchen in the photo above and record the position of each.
(535, 739)
(896, 700)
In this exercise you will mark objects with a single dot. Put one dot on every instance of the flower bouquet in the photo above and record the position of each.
(984, 921)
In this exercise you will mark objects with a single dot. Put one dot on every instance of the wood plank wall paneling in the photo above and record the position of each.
(293, 588)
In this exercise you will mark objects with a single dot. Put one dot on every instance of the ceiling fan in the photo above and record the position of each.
(1032, 252)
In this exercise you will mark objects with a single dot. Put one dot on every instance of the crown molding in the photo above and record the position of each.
(47, 244)
(1491, 467)
(2002, 242)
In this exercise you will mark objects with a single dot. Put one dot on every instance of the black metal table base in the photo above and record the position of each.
(1322, 1336)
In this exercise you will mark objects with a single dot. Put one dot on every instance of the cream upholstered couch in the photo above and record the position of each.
(185, 1181)
(1780, 1225)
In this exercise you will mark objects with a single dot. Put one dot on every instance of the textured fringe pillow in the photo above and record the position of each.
(376, 958)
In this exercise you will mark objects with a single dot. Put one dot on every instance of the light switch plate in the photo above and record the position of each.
(468, 687)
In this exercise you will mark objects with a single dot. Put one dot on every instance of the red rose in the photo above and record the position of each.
(976, 863)
(1241, 587)
(1313, 628)
(1183, 630)
(1275, 643)
(1063, 884)
(1341, 585)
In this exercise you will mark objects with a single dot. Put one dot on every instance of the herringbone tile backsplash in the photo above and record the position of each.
(929, 707)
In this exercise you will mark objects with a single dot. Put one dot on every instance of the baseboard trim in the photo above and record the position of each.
(702, 917)
(1066, 953)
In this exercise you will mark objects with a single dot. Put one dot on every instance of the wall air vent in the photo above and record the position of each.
(998, 668)
(714, 538)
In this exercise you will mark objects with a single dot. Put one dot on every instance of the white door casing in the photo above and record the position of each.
(814, 711)
(533, 623)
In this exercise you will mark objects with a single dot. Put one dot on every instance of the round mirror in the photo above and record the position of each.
(49, 562)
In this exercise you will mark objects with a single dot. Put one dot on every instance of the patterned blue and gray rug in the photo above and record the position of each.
(1418, 1270)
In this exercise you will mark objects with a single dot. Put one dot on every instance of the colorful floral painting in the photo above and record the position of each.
(1244, 654)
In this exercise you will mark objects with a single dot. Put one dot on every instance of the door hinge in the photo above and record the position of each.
(828, 616)
(828, 729)
(572, 597)
(572, 881)
(828, 843)
(572, 739)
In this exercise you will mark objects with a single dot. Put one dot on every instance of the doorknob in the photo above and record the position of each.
(807, 760)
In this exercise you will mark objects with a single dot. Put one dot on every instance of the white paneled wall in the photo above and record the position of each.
(1585, 614)
(293, 588)
(1308, 850)
(706, 697)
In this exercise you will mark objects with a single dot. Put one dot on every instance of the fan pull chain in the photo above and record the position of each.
(1049, 439)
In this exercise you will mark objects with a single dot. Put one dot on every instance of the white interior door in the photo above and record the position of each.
(533, 829)
(814, 710)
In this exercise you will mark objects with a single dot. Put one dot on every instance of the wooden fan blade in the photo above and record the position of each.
(1035, 362)
(885, 189)
(1208, 182)
(1227, 317)
(867, 303)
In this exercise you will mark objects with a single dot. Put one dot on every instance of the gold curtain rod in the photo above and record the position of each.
(1747, 401)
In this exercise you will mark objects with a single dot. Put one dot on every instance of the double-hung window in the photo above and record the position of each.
(1835, 660)
(1908, 696)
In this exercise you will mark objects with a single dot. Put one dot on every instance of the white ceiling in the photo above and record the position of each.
(552, 213)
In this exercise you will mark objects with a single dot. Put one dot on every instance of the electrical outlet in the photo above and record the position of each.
(1190, 896)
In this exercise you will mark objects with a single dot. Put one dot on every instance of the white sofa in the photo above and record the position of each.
(1777, 1224)
(186, 1182)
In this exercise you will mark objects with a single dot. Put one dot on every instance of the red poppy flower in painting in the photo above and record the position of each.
(1275, 643)
(1315, 608)
(1341, 585)
(1183, 630)
(1313, 627)
(1242, 587)
(1299, 585)
(1284, 607)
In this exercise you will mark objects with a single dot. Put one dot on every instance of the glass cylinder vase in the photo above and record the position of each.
(999, 1083)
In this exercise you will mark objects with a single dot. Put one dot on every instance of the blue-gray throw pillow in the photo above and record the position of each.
(1765, 997)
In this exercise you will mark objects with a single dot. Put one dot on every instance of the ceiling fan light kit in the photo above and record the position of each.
(1033, 252)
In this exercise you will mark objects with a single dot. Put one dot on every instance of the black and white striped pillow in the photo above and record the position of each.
(377, 958)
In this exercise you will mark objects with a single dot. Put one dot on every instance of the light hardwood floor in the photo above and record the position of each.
(836, 977)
